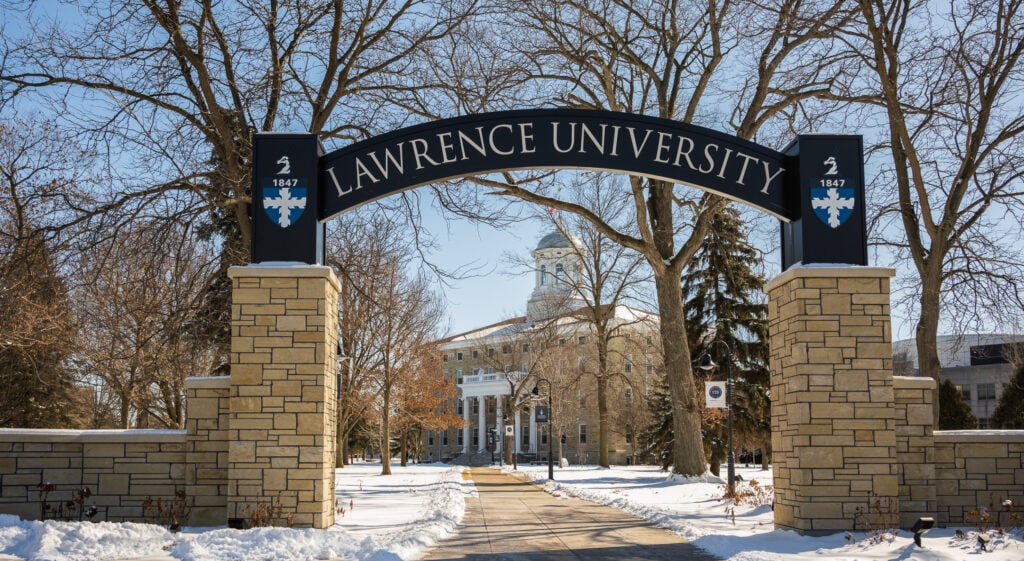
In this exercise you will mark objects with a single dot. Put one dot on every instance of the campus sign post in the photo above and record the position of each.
(833, 438)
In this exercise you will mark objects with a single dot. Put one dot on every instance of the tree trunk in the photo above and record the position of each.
(385, 435)
(927, 332)
(404, 448)
(602, 415)
(687, 443)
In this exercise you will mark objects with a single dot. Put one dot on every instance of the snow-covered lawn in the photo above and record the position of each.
(693, 509)
(399, 517)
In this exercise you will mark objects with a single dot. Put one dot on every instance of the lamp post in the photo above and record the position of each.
(551, 432)
(705, 363)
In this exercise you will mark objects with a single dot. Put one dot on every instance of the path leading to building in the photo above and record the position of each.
(514, 520)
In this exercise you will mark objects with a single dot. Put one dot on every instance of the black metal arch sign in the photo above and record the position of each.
(815, 187)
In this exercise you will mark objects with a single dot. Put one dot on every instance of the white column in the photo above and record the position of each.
(482, 422)
(498, 422)
(465, 425)
(533, 429)
(517, 444)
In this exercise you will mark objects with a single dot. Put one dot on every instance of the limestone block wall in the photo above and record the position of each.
(915, 447)
(833, 415)
(206, 449)
(121, 468)
(282, 398)
(977, 469)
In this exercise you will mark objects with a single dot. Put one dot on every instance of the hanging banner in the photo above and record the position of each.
(541, 413)
(714, 392)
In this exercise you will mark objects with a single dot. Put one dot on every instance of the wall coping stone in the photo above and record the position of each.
(92, 435)
(973, 436)
(828, 271)
(208, 382)
(285, 269)
(913, 382)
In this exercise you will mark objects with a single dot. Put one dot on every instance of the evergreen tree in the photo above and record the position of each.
(36, 386)
(955, 414)
(721, 287)
(1009, 413)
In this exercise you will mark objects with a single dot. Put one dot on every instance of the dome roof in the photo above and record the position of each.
(554, 240)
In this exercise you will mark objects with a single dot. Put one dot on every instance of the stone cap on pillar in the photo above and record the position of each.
(828, 271)
(291, 269)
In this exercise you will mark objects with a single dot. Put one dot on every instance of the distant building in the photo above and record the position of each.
(979, 365)
(552, 342)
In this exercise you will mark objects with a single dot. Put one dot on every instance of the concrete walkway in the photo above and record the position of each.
(514, 520)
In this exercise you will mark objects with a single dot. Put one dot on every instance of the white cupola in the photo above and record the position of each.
(557, 267)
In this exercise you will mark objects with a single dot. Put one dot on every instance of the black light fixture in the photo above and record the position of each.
(921, 527)
(551, 432)
(706, 364)
(983, 540)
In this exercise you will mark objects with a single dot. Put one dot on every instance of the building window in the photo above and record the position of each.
(458, 376)
(583, 401)
(581, 340)
(628, 366)
(430, 438)
(444, 438)
(490, 353)
(476, 438)
(526, 438)
(965, 392)
(444, 357)
(559, 272)
(650, 366)
(650, 340)
(629, 394)
(490, 370)
(629, 434)
(506, 348)
(986, 392)
(458, 356)
(581, 364)
(522, 367)
(543, 275)
(583, 434)
(526, 347)
(458, 406)
(462, 436)
(476, 406)
(476, 353)
(561, 342)
(544, 437)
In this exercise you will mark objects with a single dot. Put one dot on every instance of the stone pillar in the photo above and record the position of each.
(206, 448)
(465, 425)
(499, 424)
(481, 422)
(533, 429)
(833, 410)
(915, 448)
(517, 439)
(282, 416)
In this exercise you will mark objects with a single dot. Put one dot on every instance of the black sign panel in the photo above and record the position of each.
(554, 139)
(828, 190)
(816, 188)
(541, 413)
(285, 196)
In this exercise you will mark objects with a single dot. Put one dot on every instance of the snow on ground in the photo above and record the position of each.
(388, 518)
(693, 509)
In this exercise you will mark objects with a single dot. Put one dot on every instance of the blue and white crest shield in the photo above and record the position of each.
(833, 205)
(284, 205)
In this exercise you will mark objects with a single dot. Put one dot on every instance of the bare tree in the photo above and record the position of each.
(668, 59)
(136, 309)
(172, 92)
(955, 135)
